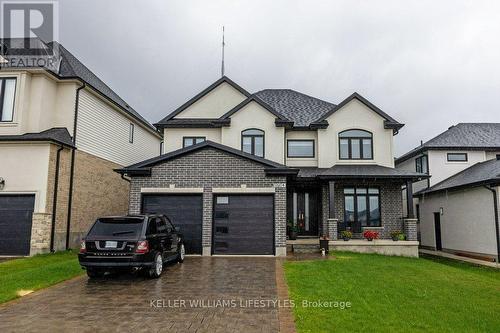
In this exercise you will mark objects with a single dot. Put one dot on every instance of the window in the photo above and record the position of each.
(161, 226)
(192, 140)
(300, 148)
(421, 164)
(7, 92)
(362, 205)
(252, 142)
(456, 157)
(131, 133)
(355, 145)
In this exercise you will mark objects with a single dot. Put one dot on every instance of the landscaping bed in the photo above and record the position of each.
(24, 275)
(394, 294)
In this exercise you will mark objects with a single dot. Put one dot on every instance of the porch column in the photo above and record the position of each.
(409, 200)
(332, 221)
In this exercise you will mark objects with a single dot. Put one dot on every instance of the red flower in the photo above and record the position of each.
(368, 234)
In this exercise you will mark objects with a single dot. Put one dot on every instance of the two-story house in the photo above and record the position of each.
(456, 209)
(62, 132)
(238, 167)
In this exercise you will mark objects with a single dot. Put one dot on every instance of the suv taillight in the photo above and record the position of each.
(142, 247)
(83, 248)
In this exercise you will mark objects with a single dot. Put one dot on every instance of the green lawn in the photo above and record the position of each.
(36, 272)
(394, 294)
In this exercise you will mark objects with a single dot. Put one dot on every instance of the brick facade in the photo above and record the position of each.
(391, 206)
(209, 168)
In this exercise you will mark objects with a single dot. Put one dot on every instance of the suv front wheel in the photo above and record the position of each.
(157, 268)
(181, 253)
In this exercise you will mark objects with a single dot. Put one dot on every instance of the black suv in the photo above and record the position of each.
(131, 242)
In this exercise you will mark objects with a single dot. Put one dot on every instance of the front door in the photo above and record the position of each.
(437, 231)
(305, 212)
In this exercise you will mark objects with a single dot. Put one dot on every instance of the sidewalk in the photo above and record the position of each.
(461, 258)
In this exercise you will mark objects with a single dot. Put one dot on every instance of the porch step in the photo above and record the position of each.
(305, 248)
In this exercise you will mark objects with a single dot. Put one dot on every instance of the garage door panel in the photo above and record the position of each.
(16, 214)
(185, 211)
(244, 225)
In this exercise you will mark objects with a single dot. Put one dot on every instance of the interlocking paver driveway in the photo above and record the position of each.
(124, 303)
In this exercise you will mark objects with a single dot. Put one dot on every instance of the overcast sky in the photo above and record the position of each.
(429, 64)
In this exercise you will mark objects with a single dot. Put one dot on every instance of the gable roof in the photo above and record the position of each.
(254, 98)
(295, 106)
(463, 136)
(201, 94)
(144, 167)
(72, 68)
(57, 134)
(482, 173)
(389, 121)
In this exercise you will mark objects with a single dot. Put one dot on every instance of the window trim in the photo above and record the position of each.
(300, 140)
(194, 138)
(131, 130)
(349, 145)
(367, 196)
(454, 161)
(253, 136)
(426, 163)
(2, 91)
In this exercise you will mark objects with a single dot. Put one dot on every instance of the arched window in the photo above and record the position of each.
(355, 144)
(252, 142)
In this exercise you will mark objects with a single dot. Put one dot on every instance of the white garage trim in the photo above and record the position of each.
(171, 190)
(243, 190)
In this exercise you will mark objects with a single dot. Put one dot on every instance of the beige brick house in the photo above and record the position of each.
(62, 132)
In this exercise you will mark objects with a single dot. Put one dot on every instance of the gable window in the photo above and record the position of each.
(131, 133)
(252, 142)
(456, 157)
(192, 140)
(362, 205)
(7, 92)
(300, 148)
(421, 164)
(355, 145)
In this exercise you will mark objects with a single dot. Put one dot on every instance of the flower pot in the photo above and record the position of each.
(346, 238)
(369, 239)
(323, 244)
(395, 238)
(292, 235)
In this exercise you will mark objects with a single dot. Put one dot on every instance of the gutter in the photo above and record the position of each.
(72, 173)
(54, 200)
(495, 209)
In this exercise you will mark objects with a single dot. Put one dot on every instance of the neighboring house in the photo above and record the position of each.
(459, 148)
(460, 214)
(62, 133)
(238, 166)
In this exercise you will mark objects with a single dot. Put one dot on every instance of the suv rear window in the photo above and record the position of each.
(126, 227)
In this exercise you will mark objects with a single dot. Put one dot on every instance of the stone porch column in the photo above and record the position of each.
(331, 223)
(410, 228)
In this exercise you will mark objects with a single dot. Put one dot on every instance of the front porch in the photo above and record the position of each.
(355, 198)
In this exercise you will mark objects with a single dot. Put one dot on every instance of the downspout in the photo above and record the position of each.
(495, 209)
(54, 200)
(125, 179)
(72, 172)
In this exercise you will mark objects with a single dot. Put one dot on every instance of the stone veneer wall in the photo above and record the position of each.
(209, 168)
(391, 206)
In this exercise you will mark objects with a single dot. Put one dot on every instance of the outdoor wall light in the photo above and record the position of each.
(441, 210)
(2, 183)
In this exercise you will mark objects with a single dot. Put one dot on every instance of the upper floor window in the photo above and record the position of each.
(356, 145)
(300, 148)
(131, 133)
(456, 157)
(252, 142)
(7, 92)
(421, 164)
(192, 140)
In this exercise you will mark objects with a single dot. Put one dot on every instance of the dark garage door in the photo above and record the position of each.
(185, 211)
(16, 212)
(243, 224)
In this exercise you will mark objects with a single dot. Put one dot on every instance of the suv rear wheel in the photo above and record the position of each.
(157, 268)
(181, 253)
